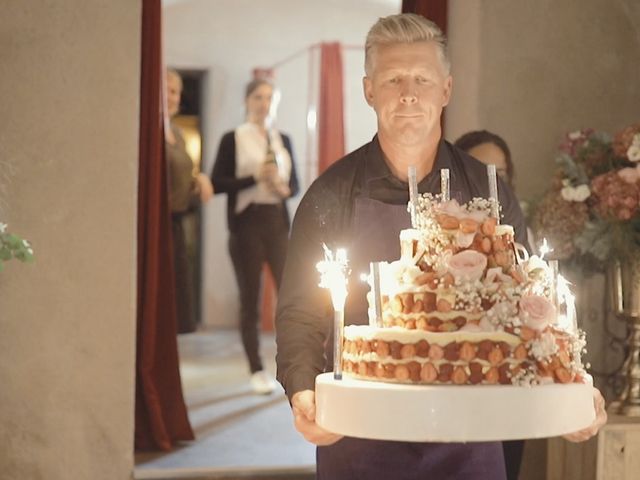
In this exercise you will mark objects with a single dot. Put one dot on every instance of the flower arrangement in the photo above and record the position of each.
(12, 246)
(591, 212)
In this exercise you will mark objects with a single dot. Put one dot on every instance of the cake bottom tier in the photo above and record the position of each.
(419, 413)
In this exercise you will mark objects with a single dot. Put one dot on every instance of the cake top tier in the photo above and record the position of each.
(460, 264)
(445, 229)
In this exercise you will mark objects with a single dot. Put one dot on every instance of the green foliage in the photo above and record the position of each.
(595, 240)
(574, 172)
(12, 246)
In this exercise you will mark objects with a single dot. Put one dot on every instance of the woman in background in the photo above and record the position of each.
(491, 149)
(186, 192)
(255, 168)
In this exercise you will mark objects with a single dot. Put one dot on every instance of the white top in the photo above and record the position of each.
(251, 149)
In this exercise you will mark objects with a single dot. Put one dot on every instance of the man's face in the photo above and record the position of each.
(174, 92)
(407, 87)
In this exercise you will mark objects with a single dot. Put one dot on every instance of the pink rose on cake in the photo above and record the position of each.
(468, 265)
(452, 208)
(536, 312)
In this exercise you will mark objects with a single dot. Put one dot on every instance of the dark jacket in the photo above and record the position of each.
(224, 178)
(325, 214)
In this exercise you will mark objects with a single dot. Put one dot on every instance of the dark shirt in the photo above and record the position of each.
(224, 178)
(304, 315)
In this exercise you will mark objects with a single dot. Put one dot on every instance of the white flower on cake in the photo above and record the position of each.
(441, 265)
(409, 274)
(395, 274)
(536, 312)
(544, 347)
(535, 263)
(468, 265)
(474, 211)
(501, 313)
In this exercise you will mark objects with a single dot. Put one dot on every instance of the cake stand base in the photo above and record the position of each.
(422, 413)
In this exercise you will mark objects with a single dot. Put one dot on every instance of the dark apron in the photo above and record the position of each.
(375, 237)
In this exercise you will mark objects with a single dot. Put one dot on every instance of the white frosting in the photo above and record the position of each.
(410, 234)
(403, 335)
(444, 316)
(504, 230)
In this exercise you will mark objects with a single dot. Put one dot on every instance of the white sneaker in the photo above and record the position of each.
(261, 382)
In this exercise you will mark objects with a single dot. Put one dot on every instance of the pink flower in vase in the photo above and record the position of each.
(630, 174)
(614, 196)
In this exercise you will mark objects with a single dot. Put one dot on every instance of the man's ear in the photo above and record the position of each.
(448, 86)
(367, 88)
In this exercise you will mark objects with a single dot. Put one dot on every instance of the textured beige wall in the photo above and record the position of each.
(539, 69)
(69, 81)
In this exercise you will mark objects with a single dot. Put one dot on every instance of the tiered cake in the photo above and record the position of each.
(459, 308)
(468, 339)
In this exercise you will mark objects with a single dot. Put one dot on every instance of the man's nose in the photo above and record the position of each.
(408, 95)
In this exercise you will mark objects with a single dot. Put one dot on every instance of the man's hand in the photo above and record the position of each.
(304, 418)
(591, 430)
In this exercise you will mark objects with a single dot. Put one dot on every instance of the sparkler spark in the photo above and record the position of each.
(333, 275)
(545, 248)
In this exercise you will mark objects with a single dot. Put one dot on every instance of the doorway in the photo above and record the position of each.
(190, 120)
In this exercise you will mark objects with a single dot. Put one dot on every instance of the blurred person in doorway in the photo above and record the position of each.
(187, 191)
(255, 167)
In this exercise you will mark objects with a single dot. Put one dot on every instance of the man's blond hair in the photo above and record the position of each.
(404, 28)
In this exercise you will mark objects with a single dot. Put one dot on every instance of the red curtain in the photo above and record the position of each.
(160, 413)
(434, 10)
(331, 106)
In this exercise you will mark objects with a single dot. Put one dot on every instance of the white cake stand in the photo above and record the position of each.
(420, 413)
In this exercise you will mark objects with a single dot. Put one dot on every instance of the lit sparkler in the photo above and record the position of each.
(545, 248)
(333, 276)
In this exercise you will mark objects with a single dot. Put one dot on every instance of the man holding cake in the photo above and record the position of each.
(360, 203)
